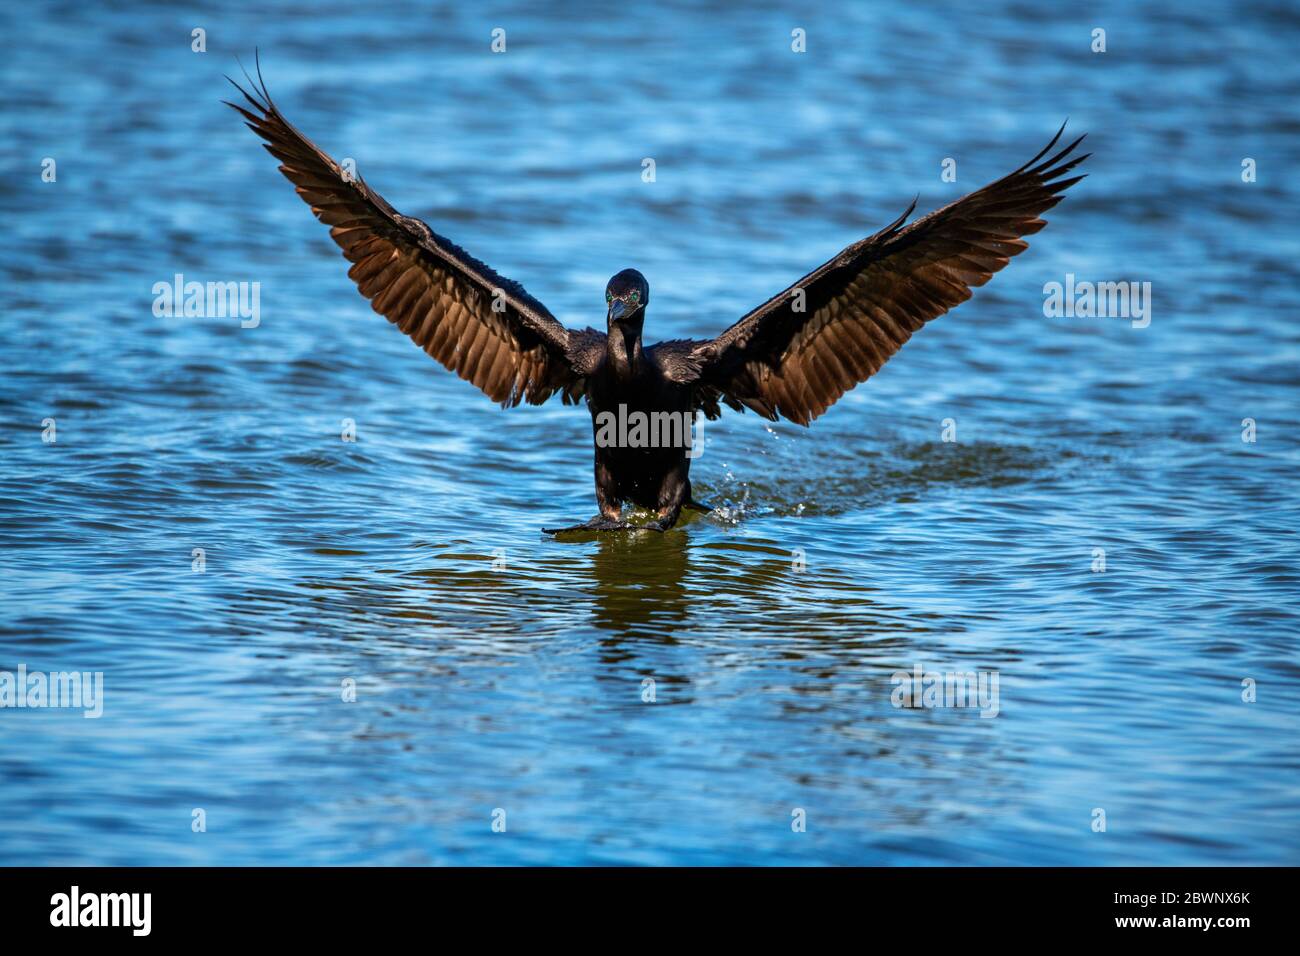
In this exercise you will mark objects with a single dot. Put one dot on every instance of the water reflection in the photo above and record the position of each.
(639, 585)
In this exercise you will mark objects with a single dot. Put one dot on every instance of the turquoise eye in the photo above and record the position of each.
(635, 296)
(609, 297)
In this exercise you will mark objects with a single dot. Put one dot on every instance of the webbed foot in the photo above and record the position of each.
(598, 523)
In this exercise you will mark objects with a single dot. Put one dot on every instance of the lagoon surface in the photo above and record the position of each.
(495, 669)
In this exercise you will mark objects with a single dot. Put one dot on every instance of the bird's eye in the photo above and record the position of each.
(609, 297)
(635, 296)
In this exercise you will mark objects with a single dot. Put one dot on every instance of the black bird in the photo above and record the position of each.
(791, 357)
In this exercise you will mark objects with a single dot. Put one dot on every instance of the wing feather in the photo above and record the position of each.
(484, 327)
(863, 305)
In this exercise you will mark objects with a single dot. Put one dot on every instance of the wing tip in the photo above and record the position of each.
(260, 96)
(1035, 167)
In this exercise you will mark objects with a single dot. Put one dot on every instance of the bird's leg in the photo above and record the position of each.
(607, 499)
(673, 495)
(611, 511)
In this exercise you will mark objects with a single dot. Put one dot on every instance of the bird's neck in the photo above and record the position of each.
(624, 350)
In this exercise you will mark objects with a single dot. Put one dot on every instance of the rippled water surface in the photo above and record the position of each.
(498, 669)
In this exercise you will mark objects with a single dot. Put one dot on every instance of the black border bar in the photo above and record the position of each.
(947, 905)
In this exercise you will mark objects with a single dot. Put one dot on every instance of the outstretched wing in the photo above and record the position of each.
(796, 354)
(480, 325)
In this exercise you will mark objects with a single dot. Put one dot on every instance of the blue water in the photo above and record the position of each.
(518, 686)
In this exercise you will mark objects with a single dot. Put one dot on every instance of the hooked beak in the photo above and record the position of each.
(617, 309)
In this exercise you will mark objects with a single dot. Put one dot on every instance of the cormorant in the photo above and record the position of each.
(791, 357)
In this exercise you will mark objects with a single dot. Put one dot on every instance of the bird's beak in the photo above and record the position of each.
(617, 309)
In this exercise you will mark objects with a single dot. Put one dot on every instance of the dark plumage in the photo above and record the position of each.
(791, 357)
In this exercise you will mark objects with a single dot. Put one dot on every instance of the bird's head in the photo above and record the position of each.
(627, 295)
